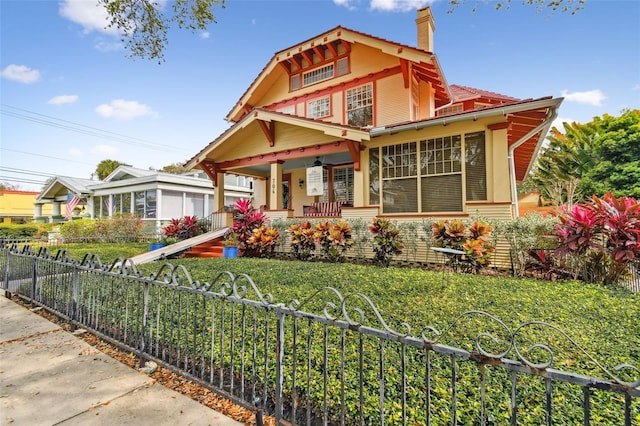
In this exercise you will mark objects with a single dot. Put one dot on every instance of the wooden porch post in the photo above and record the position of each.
(218, 193)
(275, 186)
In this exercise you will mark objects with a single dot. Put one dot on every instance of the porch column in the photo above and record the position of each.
(37, 211)
(359, 188)
(218, 193)
(56, 208)
(159, 211)
(110, 205)
(91, 206)
(501, 191)
(275, 186)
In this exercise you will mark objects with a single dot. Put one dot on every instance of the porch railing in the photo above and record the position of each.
(329, 359)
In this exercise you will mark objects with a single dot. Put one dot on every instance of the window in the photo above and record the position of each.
(399, 178)
(359, 103)
(126, 202)
(428, 176)
(475, 166)
(343, 183)
(145, 204)
(319, 108)
(449, 110)
(318, 74)
(194, 205)
(342, 66)
(295, 82)
(334, 67)
(171, 204)
(291, 109)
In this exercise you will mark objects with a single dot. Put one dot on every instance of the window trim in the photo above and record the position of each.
(421, 173)
(321, 99)
(372, 103)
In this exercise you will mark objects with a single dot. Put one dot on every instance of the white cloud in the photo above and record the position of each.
(75, 152)
(398, 5)
(120, 109)
(636, 87)
(345, 3)
(107, 46)
(205, 35)
(386, 5)
(590, 97)
(21, 74)
(104, 150)
(90, 14)
(63, 99)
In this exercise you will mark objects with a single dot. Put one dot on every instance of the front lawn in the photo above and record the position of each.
(603, 320)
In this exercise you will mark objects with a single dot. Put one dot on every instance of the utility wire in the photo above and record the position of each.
(83, 129)
(26, 172)
(47, 156)
(14, 179)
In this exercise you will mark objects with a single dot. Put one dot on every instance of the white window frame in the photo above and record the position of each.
(316, 75)
(319, 108)
(358, 99)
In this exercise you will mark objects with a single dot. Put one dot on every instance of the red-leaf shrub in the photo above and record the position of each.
(602, 237)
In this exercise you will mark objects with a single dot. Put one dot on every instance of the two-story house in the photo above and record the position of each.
(373, 126)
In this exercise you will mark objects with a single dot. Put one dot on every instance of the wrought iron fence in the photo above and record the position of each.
(329, 359)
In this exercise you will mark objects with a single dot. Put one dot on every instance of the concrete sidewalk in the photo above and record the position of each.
(50, 377)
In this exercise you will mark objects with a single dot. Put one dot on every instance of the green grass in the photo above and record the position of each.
(603, 321)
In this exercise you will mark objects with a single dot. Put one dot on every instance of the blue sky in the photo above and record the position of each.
(71, 97)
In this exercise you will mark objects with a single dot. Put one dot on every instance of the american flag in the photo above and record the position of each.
(72, 201)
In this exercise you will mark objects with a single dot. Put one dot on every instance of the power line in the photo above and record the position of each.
(47, 156)
(19, 180)
(84, 129)
(26, 172)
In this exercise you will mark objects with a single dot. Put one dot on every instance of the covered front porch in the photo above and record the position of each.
(300, 167)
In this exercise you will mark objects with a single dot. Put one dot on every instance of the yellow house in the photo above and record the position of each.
(17, 206)
(350, 125)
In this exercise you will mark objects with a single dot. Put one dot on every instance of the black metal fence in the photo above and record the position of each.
(329, 359)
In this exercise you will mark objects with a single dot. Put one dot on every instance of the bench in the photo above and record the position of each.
(325, 209)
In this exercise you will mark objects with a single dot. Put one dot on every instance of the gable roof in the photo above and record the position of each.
(259, 115)
(465, 93)
(425, 64)
(124, 172)
(78, 186)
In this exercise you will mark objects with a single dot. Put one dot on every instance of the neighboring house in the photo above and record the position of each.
(369, 127)
(154, 196)
(532, 202)
(17, 206)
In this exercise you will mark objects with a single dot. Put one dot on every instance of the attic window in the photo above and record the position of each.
(343, 66)
(318, 74)
(295, 82)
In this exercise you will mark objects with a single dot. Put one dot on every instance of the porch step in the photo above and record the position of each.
(208, 249)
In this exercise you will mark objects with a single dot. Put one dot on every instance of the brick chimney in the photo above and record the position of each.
(425, 26)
